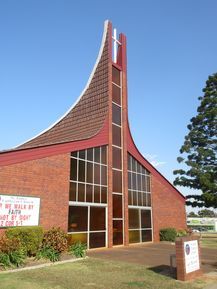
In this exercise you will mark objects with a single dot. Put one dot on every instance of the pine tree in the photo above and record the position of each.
(199, 151)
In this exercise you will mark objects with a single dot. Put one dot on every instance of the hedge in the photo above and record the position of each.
(29, 237)
(168, 234)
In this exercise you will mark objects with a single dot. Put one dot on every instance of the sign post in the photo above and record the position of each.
(188, 258)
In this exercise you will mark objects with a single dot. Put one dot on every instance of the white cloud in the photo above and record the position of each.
(153, 160)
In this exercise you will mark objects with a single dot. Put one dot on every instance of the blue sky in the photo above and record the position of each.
(48, 49)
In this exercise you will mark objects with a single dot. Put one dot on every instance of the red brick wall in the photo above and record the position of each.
(168, 208)
(47, 178)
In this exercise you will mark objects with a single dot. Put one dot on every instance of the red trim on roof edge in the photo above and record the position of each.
(28, 154)
(133, 150)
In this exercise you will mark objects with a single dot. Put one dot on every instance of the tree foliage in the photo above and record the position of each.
(192, 215)
(206, 213)
(199, 151)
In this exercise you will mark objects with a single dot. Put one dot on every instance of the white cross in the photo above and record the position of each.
(116, 42)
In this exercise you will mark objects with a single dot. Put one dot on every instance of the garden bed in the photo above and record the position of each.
(32, 247)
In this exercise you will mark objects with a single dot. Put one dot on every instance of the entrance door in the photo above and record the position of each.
(87, 224)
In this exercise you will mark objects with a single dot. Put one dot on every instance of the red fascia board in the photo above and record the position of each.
(23, 155)
(133, 150)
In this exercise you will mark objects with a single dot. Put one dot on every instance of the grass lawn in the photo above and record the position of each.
(209, 240)
(93, 273)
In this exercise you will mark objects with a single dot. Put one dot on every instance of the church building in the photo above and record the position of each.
(85, 174)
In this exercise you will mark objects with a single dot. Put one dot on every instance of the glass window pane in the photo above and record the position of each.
(148, 183)
(103, 175)
(116, 135)
(116, 75)
(133, 165)
(117, 232)
(144, 199)
(73, 170)
(116, 114)
(81, 192)
(139, 182)
(90, 154)
(82, 154)
(103, 195)
(135, 198)
(117, 206)
(139, 199)
(77, 219)
(89, 172)
(129, 162)
(96, 194)
(139, 168)
(149, 200)
(146, 235)
(143, 184)
(134, 236)
(116, 158)
(89, 193)
(81, 171)
(134, 181)
(74, 238)
(104, 155)
(96, 174)
(146, 218)
(97, 155)
(116, 94)
(97, 240)
(74, 154)
(117, 181)
(130, 202)
(97, 219)
(72, 191)
(134, 219)
(129, 181)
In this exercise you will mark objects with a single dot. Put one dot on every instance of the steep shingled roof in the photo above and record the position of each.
(87, 116)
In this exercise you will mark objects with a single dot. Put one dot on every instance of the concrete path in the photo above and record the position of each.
(153, 255)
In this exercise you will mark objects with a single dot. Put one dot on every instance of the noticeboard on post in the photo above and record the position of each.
(16, 211)
(191, 256)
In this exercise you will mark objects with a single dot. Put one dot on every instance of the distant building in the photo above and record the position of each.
(206, 224)
(85, 173)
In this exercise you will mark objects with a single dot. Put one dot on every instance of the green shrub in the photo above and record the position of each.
(8, 245)
(4, 260)
(48, 253)
(11, 252)
(17, 258)
(168, 234)
(78, 249)
(181, 233)
(30, 238)
(56, 239)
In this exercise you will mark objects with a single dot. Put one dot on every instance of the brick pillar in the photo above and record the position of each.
(110, 203)
(185, 247)
(124, 133)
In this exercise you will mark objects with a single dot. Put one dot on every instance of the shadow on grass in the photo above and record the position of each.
(164, 270)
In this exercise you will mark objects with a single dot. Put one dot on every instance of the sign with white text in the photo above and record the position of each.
(19, 211)
(191, 256)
